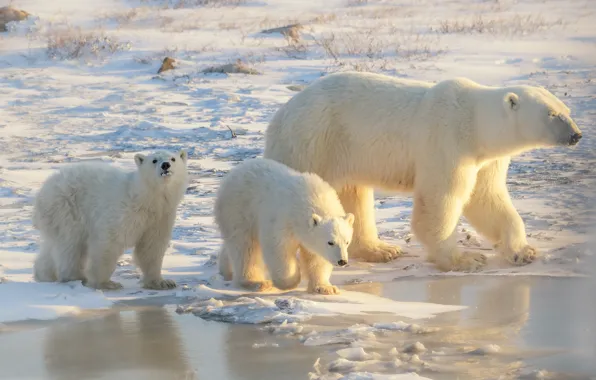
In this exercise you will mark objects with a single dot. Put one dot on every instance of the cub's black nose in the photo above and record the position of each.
(342, 263)
(575, 138)
(165, 166)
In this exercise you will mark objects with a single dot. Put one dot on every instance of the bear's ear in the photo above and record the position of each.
(139, 159)
(512, 101)
(350, 218)
(183, 155)
(315, 220)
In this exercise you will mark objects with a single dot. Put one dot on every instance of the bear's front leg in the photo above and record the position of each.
(318, 271)
(102, 256)
(491, 212)
(438, 205)
(279, 253)
(366, 244)
(148, 255)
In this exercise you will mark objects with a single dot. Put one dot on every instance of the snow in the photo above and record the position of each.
(79, 83)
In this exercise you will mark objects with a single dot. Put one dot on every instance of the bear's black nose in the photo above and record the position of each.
(575, 138)
(342, 263)
(165, 166)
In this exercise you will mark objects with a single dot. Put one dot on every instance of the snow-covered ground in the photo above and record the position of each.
(79, 82)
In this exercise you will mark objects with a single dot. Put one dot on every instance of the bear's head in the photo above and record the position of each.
(330, 237)
(540, 119)
(162, 168)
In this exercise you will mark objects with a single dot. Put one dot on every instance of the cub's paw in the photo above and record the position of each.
(107, 285)
(325, 289)
(378, 253)
(161, 284)
(526, 256)
(257, 286)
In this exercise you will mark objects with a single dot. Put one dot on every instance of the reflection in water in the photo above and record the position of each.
(274, 358)
(112, 345)
(523, 316)
(528, 320)
(502, 303)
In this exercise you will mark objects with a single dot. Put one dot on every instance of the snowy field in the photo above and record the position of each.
(79, 82)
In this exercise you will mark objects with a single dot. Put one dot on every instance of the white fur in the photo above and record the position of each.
(449, 143)
(89, 213)
(267, 211)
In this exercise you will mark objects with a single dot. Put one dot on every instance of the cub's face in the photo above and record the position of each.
(330, 237)
(542, 119)
(162, 167)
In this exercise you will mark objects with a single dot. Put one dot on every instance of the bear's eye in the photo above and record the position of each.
(155, 161)
(330, 243)
(173, 159)
(552, 113)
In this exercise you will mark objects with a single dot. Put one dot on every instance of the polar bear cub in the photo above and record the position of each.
(266, 212)
(89, 213)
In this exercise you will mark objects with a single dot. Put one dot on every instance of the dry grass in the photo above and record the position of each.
(323, 18)
(356, 3)
(178, 4)
(294, 48)
(290, 32)
(513, 25)
(379, 12)
(121, 17)
(73, 43)
(238, 67)
(373, 49)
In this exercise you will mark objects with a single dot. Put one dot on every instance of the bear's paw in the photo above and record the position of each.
(161, 284)
(325, 289)
(526, 256)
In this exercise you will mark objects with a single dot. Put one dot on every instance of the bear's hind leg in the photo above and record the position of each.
(366, 244)
(224, 264)
(491, 212)
(246, 259)
(437, 209)
(68, 256)
(318, 271)
(44, 269)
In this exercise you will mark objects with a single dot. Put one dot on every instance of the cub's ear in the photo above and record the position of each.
(315, 220)
(183, 155)
(139, 159)
(350, 218)
(511, 101)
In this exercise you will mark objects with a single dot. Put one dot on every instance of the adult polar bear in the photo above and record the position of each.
(450, 143)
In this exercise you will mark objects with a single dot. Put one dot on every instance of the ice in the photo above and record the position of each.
(356, 333)
(356, 354)
(486, 350)
(42, 301)
(266, 309)
(415, 348)
(402, 326)
(380, 376)
(370, 376)
(345, 365)
(285, 328)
